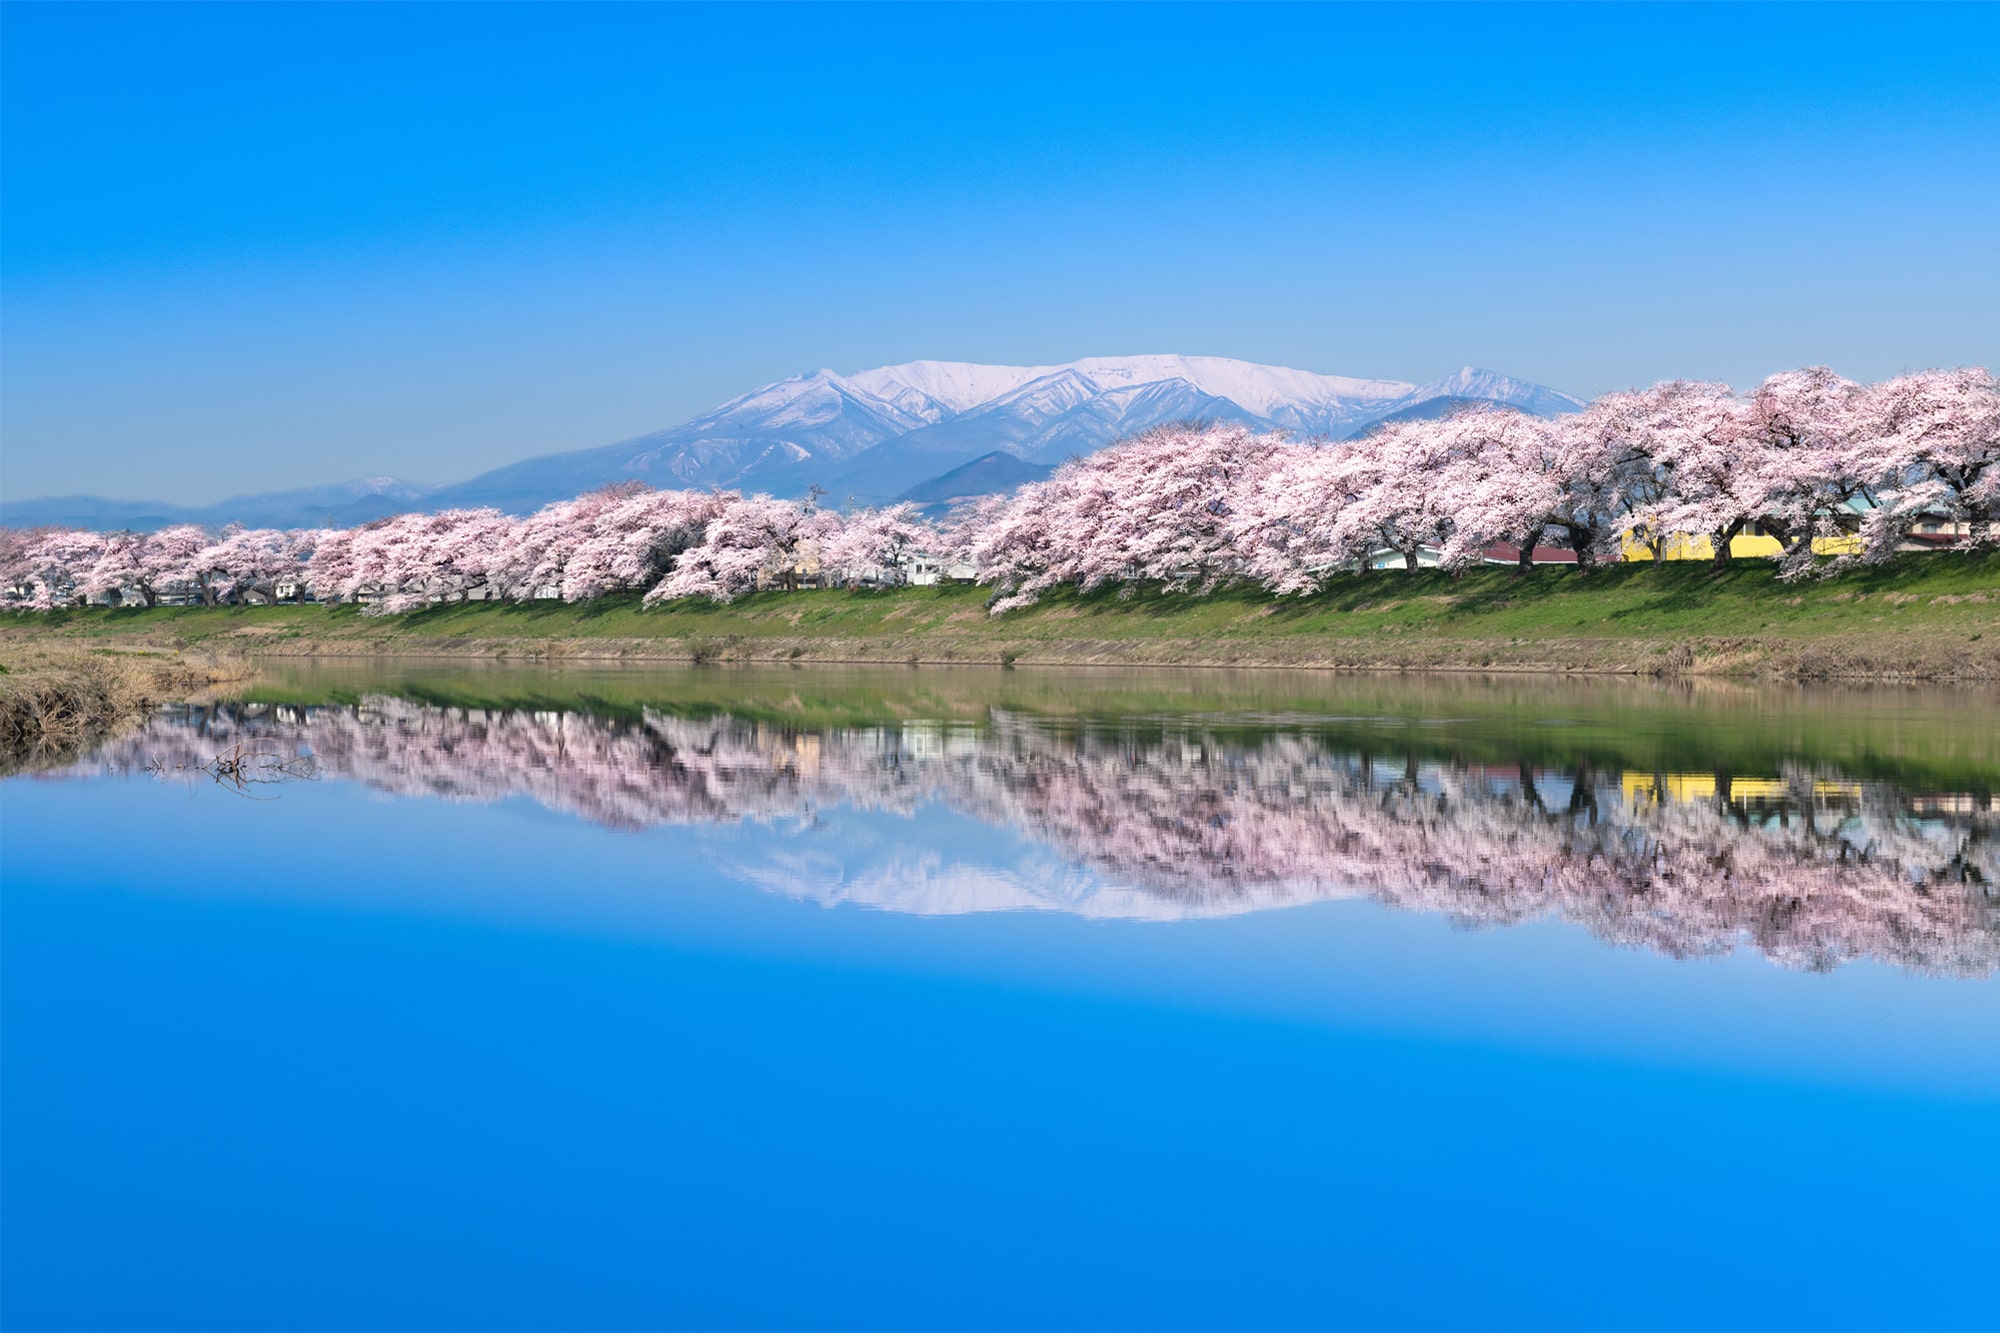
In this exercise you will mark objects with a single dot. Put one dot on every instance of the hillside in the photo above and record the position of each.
(985, 475)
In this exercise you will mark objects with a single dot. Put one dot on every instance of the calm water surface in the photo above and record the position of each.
(408, 998)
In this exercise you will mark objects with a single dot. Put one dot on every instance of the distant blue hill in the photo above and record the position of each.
(341, 506)
(988, 474)
(1433, 409)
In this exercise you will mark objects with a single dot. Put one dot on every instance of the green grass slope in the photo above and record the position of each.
(1932, 617)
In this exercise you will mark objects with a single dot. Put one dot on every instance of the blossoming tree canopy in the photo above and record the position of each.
(1833, 472)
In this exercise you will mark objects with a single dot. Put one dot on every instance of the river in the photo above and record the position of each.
(406, 994)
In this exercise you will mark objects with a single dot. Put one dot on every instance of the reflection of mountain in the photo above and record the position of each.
(1173, 819)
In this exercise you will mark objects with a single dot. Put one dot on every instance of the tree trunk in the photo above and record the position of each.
(1788, 543)
(1721, 541)
(1525, 561)
(1410, 558)
(1583, 541)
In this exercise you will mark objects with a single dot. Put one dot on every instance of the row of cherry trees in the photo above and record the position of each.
(669, 544)
(1834, 470)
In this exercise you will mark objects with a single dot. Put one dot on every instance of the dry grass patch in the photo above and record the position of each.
(54, 701)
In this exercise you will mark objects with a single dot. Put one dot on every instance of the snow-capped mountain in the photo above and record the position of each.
(878, 433)
(1485, 386)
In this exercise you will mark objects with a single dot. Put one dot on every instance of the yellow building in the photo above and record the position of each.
(1753, 543)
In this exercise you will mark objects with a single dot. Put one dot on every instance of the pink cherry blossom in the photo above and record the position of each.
(877, 546)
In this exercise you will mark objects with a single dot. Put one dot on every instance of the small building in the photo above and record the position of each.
(1752, 543)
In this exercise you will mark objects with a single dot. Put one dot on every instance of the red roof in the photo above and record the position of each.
(1506, 553)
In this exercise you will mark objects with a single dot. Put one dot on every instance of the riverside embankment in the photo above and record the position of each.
(1929, 618)
(57, 698)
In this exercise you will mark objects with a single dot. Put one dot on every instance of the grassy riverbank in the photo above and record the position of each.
(1924, 618)
(1922, 737)
(55, 699)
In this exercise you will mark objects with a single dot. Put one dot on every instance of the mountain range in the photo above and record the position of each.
(928, 431)
(343, 504)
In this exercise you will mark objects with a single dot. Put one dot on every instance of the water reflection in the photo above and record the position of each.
(1182, 815)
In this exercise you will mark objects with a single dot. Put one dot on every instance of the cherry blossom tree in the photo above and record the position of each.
(1013, 543)
(172, 559)
(51, 568)
(749, 543)
(1804, 431)
(1713, 485)
(1287, 524)
(1177, 491)
(1506, 475)
(1933, 451)
(1610, 478)
(1159, 509)
(416, 560)
(330, 569)
(1404, 478)
(623, 539)
(250, 563)
(121, 566)
(877, 545)
(15, 568)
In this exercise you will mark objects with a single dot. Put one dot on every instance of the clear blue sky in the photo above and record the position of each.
(245, 247)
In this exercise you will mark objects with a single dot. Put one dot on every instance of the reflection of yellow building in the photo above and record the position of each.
(1750, 544)
(1649, 788)
(1659, 788)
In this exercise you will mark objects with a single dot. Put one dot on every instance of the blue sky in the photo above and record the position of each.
(248, 247)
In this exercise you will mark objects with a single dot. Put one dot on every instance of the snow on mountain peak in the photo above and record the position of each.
(959, 386)
(1261, 389)
(878, 433)
(955, 386)
(1472, 382)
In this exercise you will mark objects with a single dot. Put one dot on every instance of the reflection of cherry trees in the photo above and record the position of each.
(1177, 819)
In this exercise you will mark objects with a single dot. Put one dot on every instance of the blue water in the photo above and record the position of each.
(341, 1059)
